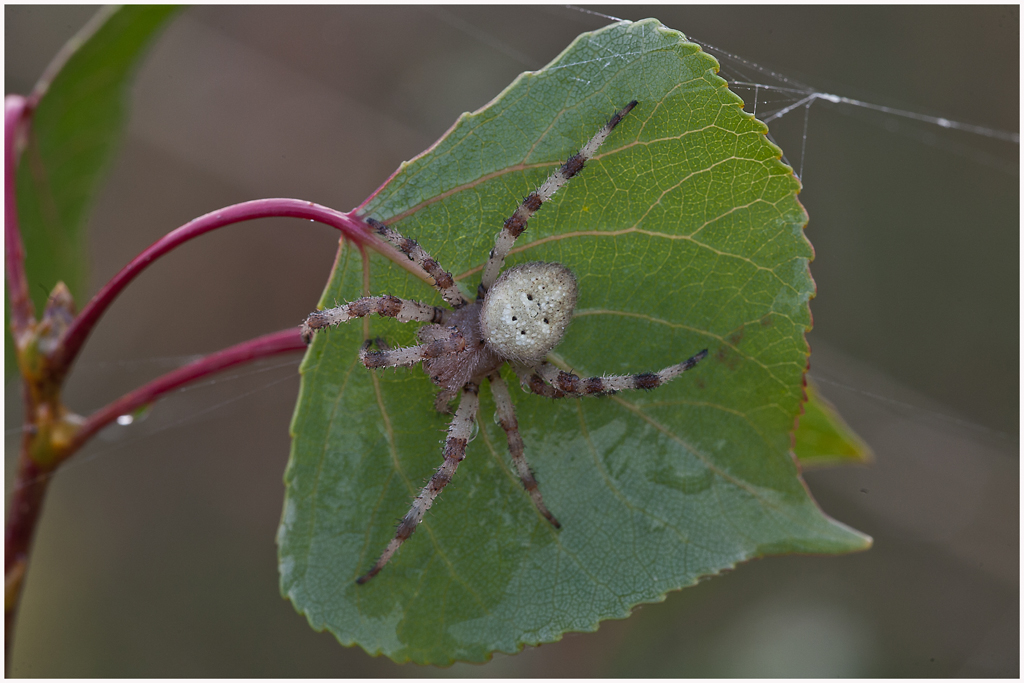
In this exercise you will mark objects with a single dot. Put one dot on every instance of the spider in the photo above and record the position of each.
(518, 317)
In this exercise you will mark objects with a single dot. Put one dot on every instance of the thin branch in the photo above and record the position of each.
(15, 109)
(285, 341)
(26, 503)
(350, 225)
(33, 479)
(56, 64)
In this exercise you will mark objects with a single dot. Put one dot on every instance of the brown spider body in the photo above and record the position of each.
(519, 316)
(477, 359)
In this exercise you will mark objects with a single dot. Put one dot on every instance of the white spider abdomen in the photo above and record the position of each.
(527, 310)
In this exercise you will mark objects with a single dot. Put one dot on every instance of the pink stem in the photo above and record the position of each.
(351, 226)
(284, 341)
(15, 109)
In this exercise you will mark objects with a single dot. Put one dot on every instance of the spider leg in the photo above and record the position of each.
(387, 306)
(443, 280)
(507, 417)
(459, 431)
(571, 385)
(443, 398)
(453, 342)
(516, 223)
(530, 380)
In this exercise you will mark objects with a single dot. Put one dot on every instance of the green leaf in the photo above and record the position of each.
(822, 438)
(685, 233)
(75, 130)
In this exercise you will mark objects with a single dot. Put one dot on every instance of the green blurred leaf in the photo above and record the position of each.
(684, 233)
(822, 437)
(75, 130)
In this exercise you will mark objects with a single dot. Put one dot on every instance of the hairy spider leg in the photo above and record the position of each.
(529, 379)
(459, 432)
(516, 223)
(443, 280)
(569, 384)
(507, 417)
(453, 342)
(387, 306)
(443, 398)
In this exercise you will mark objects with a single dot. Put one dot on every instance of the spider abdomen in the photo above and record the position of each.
(527, 310)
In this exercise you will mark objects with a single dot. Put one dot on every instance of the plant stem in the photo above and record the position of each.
(350, 225)
(52, 434)
(285, 341)
(26, 500)
(15, 109)
(26, 504)
(33, 479)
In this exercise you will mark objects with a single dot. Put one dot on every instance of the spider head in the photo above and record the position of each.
(526, 311)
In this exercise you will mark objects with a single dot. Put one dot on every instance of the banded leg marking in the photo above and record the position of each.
(404, 310)
(443, 280)
(531, 381)
(459, 431)
(569, 384)
(410, 355)
(516, 223)
(507, 417)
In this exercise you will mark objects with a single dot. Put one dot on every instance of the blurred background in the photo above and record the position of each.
(156, 554)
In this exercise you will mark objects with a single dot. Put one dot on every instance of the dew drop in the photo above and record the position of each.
(138, 415)
(473, 432)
